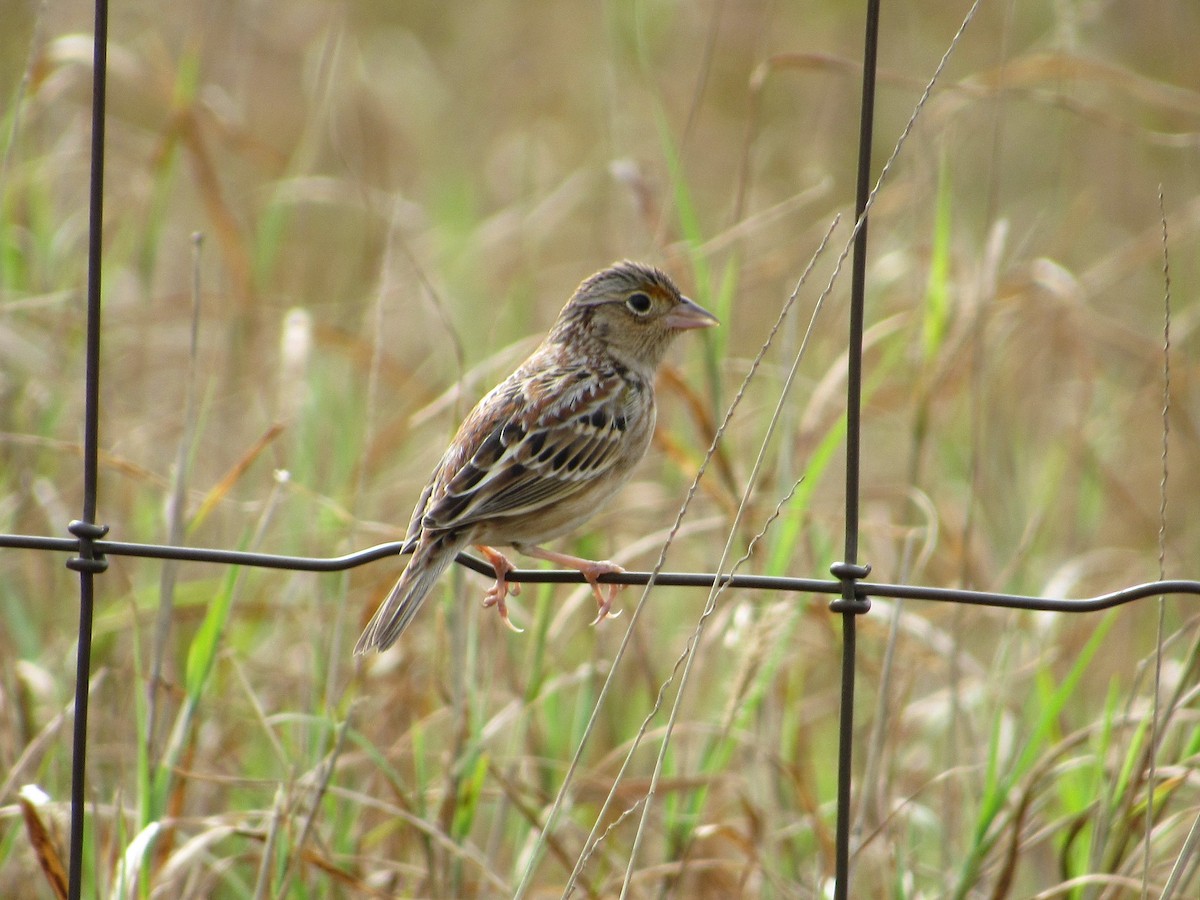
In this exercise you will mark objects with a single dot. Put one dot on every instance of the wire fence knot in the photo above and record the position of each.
(88, 559)
(849, 574)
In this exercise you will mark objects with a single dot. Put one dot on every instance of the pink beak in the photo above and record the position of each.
(689, 315)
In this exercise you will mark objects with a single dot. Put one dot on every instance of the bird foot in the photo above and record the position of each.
(591, 571)
(604, 601)
(498, 593)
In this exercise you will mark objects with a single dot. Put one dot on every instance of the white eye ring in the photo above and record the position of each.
(638, 303)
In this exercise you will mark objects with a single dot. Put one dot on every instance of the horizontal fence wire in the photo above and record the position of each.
(863, 588)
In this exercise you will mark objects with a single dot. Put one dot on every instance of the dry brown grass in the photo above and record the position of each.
(427, 182)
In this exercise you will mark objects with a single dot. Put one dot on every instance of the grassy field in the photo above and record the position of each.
(372, 210)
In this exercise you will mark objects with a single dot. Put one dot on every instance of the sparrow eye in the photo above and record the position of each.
(638, 303)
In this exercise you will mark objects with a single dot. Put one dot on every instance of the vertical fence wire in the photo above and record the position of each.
(850, 606)
(88, 563)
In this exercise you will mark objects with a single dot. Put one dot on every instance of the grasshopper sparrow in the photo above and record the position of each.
(544, 449)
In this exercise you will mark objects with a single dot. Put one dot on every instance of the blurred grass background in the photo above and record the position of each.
(383, 206)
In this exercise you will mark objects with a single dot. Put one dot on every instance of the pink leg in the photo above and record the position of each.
(498, 592)
(590, 571)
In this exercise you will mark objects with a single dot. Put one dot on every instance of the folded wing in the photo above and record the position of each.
(525, 455)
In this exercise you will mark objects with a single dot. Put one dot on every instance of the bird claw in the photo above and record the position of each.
(498, 593)
(604, 603)
(496, 596)
(606, 611)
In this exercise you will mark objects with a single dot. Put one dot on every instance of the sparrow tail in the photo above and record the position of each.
(428, 562)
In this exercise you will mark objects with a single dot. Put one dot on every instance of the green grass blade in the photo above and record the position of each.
(937, 288)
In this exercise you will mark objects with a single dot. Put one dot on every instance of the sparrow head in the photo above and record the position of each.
(630, 310)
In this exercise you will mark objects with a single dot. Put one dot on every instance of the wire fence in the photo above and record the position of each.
(89, 547)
